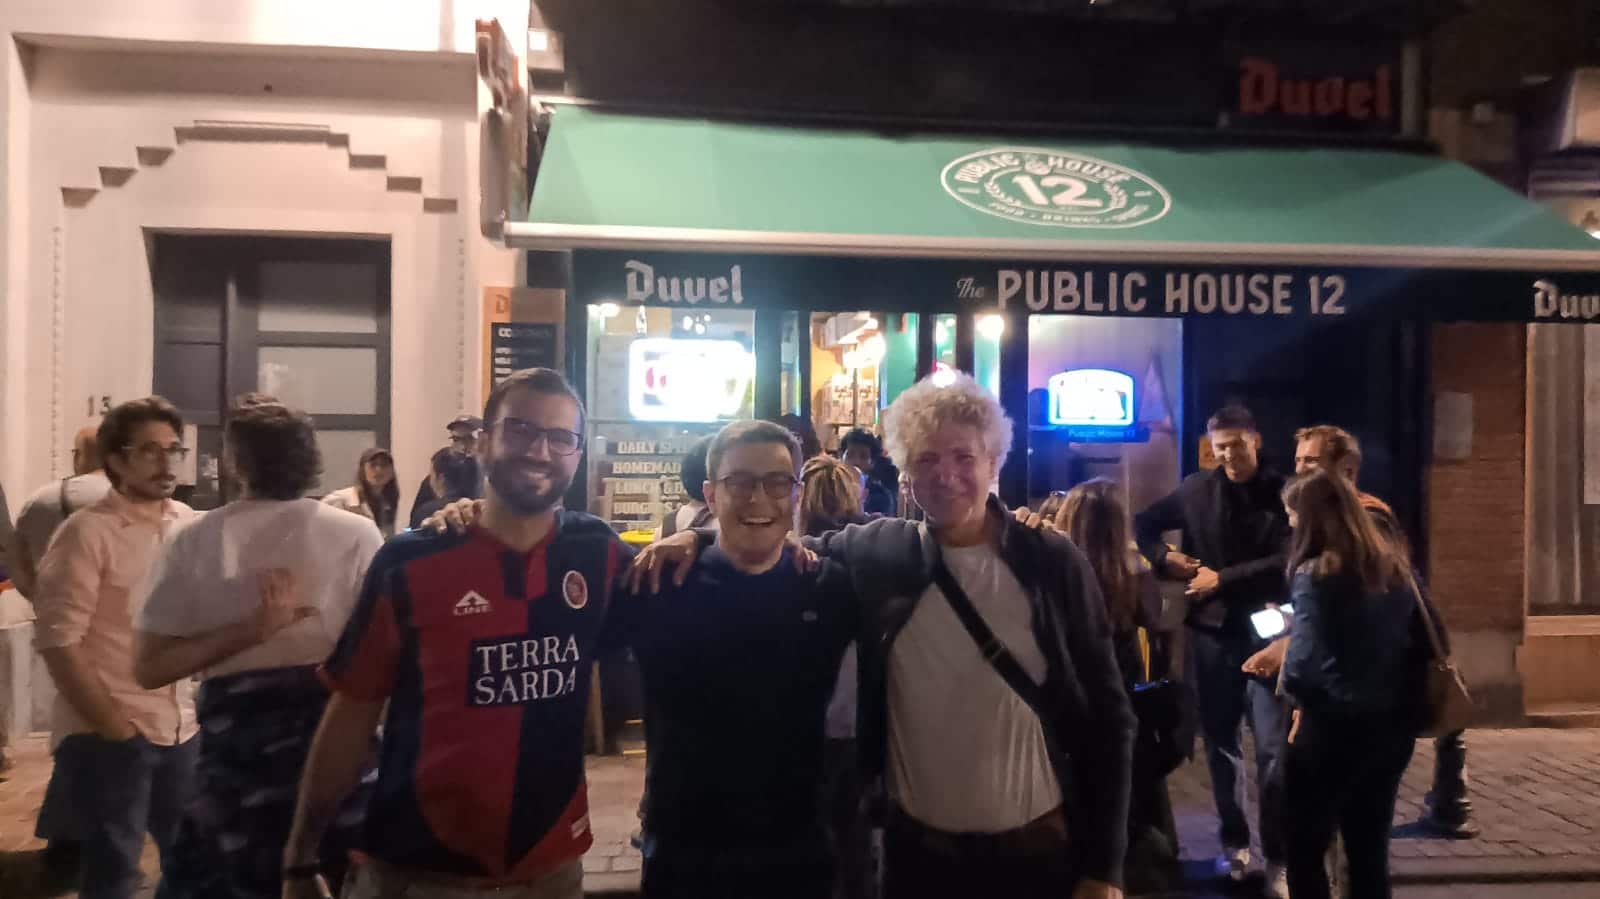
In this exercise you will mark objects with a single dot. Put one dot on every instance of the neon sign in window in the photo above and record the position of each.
(676, 379)
(1097, 397)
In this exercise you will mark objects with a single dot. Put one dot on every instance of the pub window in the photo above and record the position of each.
(1103, 395)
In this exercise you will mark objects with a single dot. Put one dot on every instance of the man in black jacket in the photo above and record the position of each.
(1235, 533)
(988, 793)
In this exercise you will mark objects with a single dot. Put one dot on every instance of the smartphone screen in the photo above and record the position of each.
(1269, 623)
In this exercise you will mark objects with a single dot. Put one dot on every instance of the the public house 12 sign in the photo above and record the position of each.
(1055, 188)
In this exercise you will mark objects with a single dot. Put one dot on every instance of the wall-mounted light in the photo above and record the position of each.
(609, 310)
(991, 327)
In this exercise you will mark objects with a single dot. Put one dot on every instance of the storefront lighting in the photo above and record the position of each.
(991, 327)
(687, 379)
(941, 332)
(943, 376)
(868, 355)
(1091, 396)
(610, 310)
(688, 323)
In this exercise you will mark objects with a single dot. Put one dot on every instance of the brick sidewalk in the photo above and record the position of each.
(1535, 795)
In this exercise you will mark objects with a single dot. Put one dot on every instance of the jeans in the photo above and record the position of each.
(1228, 696)
(1342, 774)
(120, 791)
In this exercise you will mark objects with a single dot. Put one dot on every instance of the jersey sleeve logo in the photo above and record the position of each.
(472, 603)
(575, 590)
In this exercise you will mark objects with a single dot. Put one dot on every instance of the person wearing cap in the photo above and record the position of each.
(375, 494)
(463, 431)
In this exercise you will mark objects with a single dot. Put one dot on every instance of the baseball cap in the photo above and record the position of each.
(465, 421)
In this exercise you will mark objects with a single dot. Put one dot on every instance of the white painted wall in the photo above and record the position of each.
(83, 87)
(85, 83)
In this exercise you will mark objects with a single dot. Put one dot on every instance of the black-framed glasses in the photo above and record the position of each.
(743, 486)
(154, 452)
(520, 436)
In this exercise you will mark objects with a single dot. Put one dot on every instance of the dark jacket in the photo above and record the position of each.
(422, 506)
(1091, 730)
(1249, 562)
(1354, 654)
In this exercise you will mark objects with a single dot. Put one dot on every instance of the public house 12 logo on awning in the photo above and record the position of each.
(1055, 188)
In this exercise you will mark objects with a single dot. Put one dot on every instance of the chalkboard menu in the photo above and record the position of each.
(517, 345)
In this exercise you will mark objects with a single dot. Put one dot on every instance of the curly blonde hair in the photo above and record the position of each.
(935, 400)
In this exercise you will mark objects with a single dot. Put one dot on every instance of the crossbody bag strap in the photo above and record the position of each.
(994, 652)
(1428, 624)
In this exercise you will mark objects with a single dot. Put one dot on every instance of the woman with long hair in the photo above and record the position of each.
(375, 494)
(1094, 516)
(1353, 673)
(830, 498)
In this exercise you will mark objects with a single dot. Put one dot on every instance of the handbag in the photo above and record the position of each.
(1446, 704)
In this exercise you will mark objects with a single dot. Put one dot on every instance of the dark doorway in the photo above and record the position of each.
(1367, 375)
(305, 320)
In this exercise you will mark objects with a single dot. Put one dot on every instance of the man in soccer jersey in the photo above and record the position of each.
(480, 643)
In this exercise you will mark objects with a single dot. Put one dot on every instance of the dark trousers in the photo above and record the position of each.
(1342, 775)
(120, 792)
(1228, 697)
(917, 867)
(728, 872)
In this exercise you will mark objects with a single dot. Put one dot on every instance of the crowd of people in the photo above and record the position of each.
(291, 698)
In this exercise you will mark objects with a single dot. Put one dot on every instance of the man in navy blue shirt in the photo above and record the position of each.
(738, 665)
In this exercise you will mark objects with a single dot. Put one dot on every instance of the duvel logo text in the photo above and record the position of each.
(1055, 188)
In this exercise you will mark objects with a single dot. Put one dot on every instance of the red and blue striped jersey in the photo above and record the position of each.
(484, 654)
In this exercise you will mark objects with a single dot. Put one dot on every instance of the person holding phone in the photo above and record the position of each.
(1234, 536)
(1353, 672)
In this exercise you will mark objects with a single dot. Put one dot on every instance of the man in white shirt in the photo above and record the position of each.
(251, 598)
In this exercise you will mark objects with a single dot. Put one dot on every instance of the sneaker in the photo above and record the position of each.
(1233, 864)
(1277, 886)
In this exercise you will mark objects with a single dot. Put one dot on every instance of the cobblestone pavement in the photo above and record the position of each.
(1535, 795)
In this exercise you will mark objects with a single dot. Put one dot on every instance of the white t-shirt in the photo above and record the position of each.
(208, 576)
(966, 754)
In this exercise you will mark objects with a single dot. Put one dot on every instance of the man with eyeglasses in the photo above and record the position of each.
(124, 755)
(739, 663)
(480, 646)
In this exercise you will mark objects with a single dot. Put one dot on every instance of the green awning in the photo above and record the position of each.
(610, 180)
